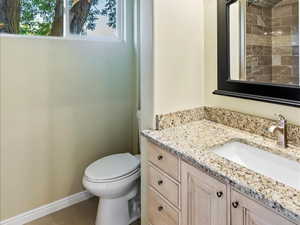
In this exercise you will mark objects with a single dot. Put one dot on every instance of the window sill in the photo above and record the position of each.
(67, 38)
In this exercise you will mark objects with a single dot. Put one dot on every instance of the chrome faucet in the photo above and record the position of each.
(281, 131)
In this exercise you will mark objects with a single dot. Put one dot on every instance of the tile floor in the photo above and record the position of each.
(83, 213)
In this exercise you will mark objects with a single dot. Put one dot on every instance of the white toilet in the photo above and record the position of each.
(114, 179)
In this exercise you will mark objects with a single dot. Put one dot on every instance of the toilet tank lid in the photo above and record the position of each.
(113, 166)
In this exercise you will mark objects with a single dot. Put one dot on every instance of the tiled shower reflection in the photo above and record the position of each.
(272, 41)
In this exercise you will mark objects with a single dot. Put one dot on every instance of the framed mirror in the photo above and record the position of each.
(258, 50)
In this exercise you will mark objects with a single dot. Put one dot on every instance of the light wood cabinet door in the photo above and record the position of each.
(204, 199)
(245, 211)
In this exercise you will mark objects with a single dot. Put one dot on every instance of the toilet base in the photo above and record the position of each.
(115, 211)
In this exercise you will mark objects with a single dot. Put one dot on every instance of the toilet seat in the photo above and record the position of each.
(137, 170)
(112, 168)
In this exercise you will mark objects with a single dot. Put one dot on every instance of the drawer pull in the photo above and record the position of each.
(235, 204)
(160, 157)
(160, 208)
(160, 182)
(219, 194)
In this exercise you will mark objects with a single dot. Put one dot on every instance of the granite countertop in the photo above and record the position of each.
(194, 142)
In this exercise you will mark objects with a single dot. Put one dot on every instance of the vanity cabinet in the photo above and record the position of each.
(204, 199)
(245, 211)
(180, 194)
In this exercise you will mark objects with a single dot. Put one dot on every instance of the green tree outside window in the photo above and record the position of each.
(46, 17)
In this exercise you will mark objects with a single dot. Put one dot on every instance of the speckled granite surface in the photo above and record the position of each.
(250, 123)
(194, 142)
(179, 118)
(246, 122)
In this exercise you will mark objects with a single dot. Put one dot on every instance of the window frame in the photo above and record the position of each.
(120, 29)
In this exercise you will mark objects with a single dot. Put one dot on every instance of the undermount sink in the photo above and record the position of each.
(271, 165)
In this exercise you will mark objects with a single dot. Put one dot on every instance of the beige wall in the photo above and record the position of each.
(183, 73)
(185, 67)
(64, 104)
(247, 106)
(172, 63)
(178, 55)
(186, 78)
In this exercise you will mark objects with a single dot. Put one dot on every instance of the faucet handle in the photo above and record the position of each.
(272, 129)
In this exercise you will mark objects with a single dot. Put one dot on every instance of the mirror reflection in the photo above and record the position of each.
(264, 41)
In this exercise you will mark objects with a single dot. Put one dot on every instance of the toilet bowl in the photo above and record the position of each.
(114, 179)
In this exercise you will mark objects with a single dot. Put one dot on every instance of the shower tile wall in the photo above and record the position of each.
(259, 44)
(285, 42)
(272, 42)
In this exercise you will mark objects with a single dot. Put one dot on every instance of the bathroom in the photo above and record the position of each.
(151, 112)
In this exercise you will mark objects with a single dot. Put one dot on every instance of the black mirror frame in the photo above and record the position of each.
(274, 93)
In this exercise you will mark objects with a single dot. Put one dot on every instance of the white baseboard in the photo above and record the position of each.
(45, 210)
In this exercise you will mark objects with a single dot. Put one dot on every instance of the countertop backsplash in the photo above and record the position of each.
(245, 122)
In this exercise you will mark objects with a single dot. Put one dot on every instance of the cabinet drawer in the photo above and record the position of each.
(164, 160)
(164, 185)
(160, 212)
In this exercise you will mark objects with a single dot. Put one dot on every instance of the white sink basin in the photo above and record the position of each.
(280, 169)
